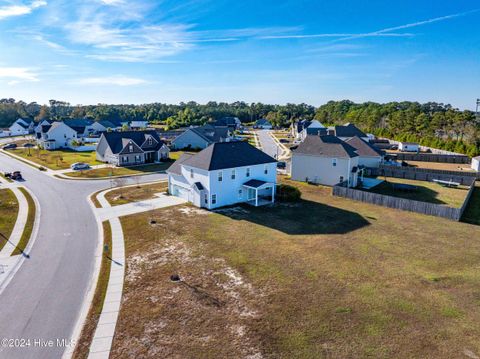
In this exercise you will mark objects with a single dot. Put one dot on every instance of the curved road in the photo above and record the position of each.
(45, 297)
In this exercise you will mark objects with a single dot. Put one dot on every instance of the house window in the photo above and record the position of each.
(206, 198)
(214, 199)
(248, 171)
(124, 159)
(137, 158)
(233, 174)
(240, 194)
(341, 179)
(334, 162)
(130, 148)
(220, 176)
(191, 172)
(265, 169)
(150, 142)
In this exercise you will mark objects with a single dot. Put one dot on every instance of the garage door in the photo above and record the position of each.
(181, 192)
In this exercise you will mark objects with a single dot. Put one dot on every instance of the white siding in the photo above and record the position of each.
(476, 164)
(367, 161)
(189, 139)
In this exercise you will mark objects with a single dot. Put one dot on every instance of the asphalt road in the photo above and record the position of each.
(45, 297)
(268, 144)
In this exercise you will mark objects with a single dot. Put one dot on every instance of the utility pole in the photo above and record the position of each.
(477, 114)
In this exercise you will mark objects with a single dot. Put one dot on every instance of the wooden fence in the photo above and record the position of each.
(424, 174)
(433, 157)
(404, 204)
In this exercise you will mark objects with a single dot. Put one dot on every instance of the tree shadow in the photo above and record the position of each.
(422, 194)
(23, 253)
(472, 212)
(298, 218)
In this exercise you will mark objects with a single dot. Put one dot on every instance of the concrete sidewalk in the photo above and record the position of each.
(103, 337)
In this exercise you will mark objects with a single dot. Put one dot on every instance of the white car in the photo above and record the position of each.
(79, 166)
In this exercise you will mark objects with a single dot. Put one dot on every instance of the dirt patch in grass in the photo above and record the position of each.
(135, 193)
(83, 346)
(324, 277)
(8, 215)
(441, 166)
(27, 231)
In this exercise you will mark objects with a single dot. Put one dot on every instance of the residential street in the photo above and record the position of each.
(268, 144)
(46, 295)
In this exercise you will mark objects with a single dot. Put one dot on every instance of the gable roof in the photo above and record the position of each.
(210, 133)
(263, 122)
(107, 124)
(363, 148)
(302, 124)
(327, 146)
(348, 130)
(117, 140)
(176, 167)
(227, 121)
(221, 155)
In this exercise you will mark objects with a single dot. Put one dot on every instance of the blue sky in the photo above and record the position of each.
(119, 51)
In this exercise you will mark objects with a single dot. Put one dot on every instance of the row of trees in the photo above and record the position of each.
(430, 123)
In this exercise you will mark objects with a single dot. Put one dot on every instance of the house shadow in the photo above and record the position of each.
(298, 218)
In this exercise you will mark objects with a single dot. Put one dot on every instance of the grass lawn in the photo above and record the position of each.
(56, 160)
(135, 193)
(120, 171)
(8, 214)
(472, 212)
(83, 346)
(441, 166)
(323, 278)
(27, 230)
(427, 192)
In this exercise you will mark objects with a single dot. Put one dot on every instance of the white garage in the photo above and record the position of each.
(181, 192)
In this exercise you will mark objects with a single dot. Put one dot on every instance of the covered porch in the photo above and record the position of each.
(259, 192)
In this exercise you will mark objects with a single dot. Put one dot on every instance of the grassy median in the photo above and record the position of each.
(106, 172)
(135, 193)
(8, 215)
(27, 231)
(83, 345)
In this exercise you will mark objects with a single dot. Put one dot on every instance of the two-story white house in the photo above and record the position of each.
(56, 135)
(22, 126)
(223, 174)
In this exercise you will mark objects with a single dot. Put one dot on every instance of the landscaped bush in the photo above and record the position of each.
(288, 193)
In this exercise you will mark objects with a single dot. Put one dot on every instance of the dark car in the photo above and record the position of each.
(10, 146)
(284, 140)
(29, 145)
(16, 176)
(281, 165)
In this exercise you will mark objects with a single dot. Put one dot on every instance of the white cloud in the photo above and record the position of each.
(18, 74)
(20, 9)
(112, 2)
(118, 80)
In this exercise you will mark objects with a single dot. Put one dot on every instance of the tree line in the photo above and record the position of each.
(431, 124)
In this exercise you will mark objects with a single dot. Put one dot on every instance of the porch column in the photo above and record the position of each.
(273, 194)
(256, 197)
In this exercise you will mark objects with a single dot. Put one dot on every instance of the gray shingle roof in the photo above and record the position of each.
(116, 140)
(254, 183)
(211, 133)
(363, 148)
(327, 146)
(348, 130)
(223, 155)
(176, 167)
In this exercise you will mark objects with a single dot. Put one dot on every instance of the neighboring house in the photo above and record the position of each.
(131, 148)
(408, 147)
(369, 156)
(476, 163)
(325, 160)
(233, 123)
(55, 136)
(104, 126)
(22, 126)
(201, 137)
(135, 125)
(223, 174)
(347, 131)
(314, 128)
(263, 124)
(38, 127)
(297, 127)
(82, 126)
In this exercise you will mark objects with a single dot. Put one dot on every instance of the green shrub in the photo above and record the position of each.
(288, 193)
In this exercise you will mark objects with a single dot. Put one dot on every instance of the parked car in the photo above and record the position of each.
(281, 165)
(79, 166)
(284, 140)
(29, 145)
(10, 146)
(16, 175)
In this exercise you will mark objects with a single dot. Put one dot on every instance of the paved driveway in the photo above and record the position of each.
(45, 297)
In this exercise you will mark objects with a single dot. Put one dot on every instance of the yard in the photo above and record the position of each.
(135, 193)
(324, 277)
(8, 214)
(472, 212)
(120, 171)
(56, 160)
(426, 191)
(441, 166)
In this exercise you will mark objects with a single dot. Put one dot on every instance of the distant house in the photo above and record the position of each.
(347, 131)
(263, 124)
(233, 123)
(131, 148)
(408, 147)
(476, 163)
(201, 137)
(135, 125)
(314, 128)
(55, 135)
(22, 126)
(369, 156)
(325, 160)
(223, 174)
(82, 126)
(104, 126)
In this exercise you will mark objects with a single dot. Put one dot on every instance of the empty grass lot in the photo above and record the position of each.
(8, 214)
(441, 166)
(120, 171)
(135, 193)
(58, 159)
(426, 192)
(323, 278)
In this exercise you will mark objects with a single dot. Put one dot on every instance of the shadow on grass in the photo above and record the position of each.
(423, 194)
(299, 218)
(22, 252)
(472, 212)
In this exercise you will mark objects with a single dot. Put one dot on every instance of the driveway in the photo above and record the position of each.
(45, 297)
